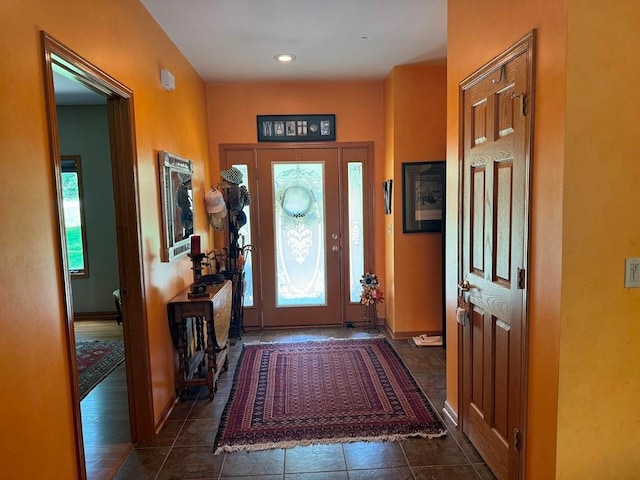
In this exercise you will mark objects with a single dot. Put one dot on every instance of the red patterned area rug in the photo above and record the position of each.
(336, 391)
(96, 360)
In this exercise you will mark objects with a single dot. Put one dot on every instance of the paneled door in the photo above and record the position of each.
(496, 142)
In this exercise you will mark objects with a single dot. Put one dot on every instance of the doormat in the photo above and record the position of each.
(95, 361)
(336, 391)
(426, 341)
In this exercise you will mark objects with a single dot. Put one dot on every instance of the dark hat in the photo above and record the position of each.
(238, 197)
(233, 175)
(239, 219)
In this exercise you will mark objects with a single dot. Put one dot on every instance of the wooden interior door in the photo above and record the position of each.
(496, 109)
(300, 230)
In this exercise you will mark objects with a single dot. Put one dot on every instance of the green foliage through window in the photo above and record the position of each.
(73, 215)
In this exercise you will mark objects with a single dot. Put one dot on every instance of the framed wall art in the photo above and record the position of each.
(387, 188)
(296, 128)
(423, 196)
(177, 205)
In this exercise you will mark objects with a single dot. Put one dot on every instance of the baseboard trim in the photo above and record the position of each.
(108, 316)
(450, 412)
(166, 412)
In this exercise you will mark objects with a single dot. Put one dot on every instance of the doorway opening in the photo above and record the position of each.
(312, 220)
(60, 60)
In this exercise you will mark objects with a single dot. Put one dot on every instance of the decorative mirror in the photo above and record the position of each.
(177, 204)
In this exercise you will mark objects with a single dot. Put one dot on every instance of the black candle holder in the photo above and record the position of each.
(198, 288)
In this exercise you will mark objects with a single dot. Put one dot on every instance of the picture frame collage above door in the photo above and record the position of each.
(296, 128)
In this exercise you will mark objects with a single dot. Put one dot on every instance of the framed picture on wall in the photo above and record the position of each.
(387, 188)
(177, 205)
(423, 196)
(296, 128)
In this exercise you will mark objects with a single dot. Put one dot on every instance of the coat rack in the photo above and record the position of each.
(231, 260)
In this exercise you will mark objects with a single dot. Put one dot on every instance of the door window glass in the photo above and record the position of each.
(355, 196)
(245, 239)
(299, 234)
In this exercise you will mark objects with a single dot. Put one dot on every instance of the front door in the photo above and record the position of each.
(496, 139)
(311, 223)
(300, 236)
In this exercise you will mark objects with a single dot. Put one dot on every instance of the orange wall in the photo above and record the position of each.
(121, 38)
(388, 225)
(416, 125)
(599, 387)
(358, 106)
(477, 32)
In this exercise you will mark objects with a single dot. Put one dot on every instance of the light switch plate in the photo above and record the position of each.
(632, 273)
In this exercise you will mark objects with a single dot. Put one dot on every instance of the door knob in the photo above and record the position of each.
(464, 286)
(334, 236)
(335, 248)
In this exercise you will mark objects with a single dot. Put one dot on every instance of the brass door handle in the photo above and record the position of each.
(464, 286)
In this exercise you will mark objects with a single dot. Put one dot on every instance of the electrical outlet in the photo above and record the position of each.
(632, 273)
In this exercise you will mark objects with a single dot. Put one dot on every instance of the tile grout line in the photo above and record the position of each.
(465, 454)
(344, 458)
(175, 440)
(288, 336)
(406, 459)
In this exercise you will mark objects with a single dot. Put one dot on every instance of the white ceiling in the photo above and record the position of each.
(72, 92)
(236, 40)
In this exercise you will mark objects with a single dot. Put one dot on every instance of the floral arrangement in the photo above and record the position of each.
(371, 291)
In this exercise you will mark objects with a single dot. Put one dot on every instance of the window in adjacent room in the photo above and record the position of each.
(74, 222)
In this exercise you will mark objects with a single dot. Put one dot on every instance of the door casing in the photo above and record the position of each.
(123, 164)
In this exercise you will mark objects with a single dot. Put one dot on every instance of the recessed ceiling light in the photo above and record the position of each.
(285, 57)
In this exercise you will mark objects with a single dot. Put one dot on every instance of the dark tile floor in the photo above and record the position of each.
(184, 448)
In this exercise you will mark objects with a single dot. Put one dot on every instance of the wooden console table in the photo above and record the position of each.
(204, 317)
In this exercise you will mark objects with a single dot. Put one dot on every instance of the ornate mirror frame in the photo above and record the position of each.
(177, 205)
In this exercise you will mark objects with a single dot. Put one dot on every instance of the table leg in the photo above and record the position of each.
(200, 345)
(183, 362)
(211, 357)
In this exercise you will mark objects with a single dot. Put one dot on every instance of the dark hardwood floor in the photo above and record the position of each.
(105, 410)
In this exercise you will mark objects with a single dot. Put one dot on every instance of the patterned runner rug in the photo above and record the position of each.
(96, 360)
(337, 391)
